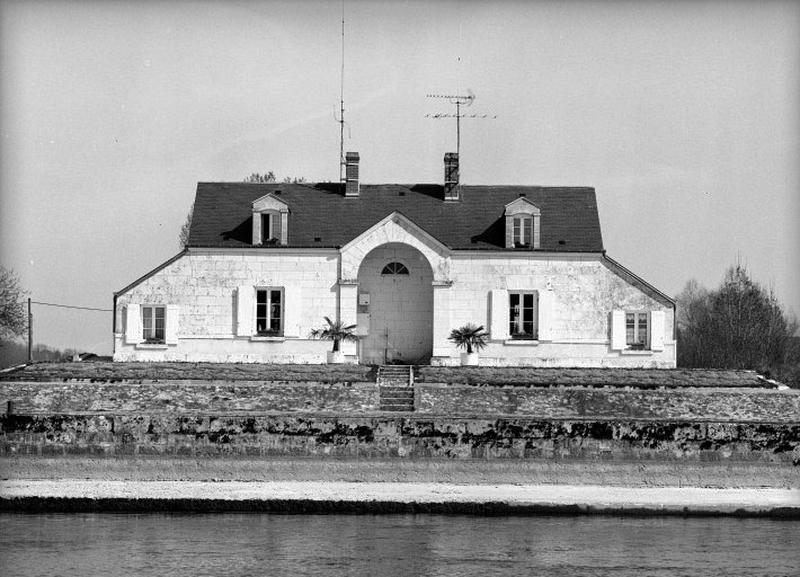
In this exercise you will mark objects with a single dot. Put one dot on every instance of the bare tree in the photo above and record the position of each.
(183, 236)
(13, 319)
(740, 325)
(261, 178)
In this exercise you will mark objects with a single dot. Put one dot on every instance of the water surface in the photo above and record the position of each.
(263, 544)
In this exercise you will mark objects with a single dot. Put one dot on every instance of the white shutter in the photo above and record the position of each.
(657, 327)
(244, 311)
(498, 327)
(546, 305)
(618, 330)
(133, 324)
(292, 311)
(173, 316)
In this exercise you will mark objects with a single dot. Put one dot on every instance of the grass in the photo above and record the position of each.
(522, 376)
(595, 377)
(110, 372)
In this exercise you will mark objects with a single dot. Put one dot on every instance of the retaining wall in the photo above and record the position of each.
(395, 437)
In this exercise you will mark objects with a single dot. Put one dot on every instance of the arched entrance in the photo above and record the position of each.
(395, 291)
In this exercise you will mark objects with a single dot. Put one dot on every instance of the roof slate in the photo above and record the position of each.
(320, 216)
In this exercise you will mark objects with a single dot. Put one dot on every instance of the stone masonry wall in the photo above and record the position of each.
(204, 287)
(394, 437)
(585, 291)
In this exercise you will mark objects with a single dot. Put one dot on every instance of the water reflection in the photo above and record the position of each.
(241, 544)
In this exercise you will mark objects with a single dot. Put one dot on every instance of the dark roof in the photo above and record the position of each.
(320, 216)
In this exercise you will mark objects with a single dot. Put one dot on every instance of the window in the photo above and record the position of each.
(269, 311)
(523, 231)
(153, 325)
(523, 315)
(266, 228)
(636, 331)
(395, 268)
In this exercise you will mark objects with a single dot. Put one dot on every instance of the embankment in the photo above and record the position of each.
(459, 434)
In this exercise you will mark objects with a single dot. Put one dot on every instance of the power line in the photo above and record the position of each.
(71, 307)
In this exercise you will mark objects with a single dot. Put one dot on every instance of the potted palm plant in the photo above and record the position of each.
(471, 338)
(336, 332)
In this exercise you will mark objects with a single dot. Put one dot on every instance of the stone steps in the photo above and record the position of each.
(395, 385)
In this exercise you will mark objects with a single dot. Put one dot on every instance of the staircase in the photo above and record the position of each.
(396, 387)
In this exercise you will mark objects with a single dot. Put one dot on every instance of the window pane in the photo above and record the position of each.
(630, 328)
(642, 328)
(514, 314)
(266, 233)
(527, 300)
(275, 311)
(147, 323)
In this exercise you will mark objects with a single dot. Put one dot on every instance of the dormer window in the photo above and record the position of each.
(523, 231)
(267, 228)
(522, 224)
(270, 221)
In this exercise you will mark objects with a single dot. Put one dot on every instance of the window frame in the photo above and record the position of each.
(149, 312)
(634, 342)
(522, 228)
(397, 268)
(267, 232)
(534, 318)
(268, 291)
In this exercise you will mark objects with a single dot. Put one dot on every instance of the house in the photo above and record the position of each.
(407, 263)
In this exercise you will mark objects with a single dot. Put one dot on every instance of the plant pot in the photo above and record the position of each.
(469, 359)
(335, 357)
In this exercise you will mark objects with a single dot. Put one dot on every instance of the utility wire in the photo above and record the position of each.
(70, 307)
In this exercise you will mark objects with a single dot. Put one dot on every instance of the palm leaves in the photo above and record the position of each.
(469, 337)
(336, 332)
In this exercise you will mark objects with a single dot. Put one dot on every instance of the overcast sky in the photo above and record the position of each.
(682, 115)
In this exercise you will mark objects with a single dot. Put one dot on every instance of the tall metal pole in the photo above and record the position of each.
(458, 128)
(30, 332)
(341, 109)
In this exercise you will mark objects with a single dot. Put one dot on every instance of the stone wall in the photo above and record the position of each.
(584, 290)
(709, 404)
(434, 400)
(188, 397)
(382, 437)
(200, 289)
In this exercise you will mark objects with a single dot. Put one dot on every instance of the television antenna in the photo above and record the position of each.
(459, 100)
(340, 120)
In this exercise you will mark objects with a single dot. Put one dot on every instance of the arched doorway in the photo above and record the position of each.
(395, 291)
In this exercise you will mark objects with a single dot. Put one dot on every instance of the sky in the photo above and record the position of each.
(682, 115)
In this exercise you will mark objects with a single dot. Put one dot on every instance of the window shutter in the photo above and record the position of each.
(244, 311)
(133, 324)
(292, 311)
(657, 321)
(618, 330)
(546, 300)
(498, 329)
(173, 316)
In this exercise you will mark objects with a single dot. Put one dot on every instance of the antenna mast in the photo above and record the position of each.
(341, 110)
(459, 100)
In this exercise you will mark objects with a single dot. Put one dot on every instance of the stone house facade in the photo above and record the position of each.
(407, 264)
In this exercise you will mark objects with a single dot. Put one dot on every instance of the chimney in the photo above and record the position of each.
(351, 186)
(451, 190)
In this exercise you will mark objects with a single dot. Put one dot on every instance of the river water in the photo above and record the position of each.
(259, 544)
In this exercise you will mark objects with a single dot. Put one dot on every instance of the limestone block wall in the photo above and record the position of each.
(583, 290)
(391, 437)
(202, 285)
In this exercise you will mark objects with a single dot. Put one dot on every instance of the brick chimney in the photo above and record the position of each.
(451, 190)
(351, 187)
